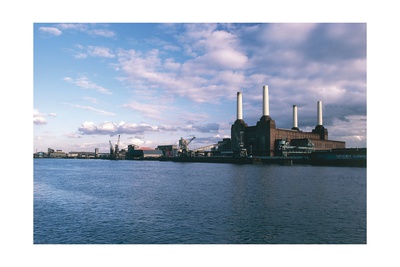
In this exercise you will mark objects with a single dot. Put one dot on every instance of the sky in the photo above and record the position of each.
(154, 83)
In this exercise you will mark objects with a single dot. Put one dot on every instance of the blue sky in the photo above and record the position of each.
(154, 83)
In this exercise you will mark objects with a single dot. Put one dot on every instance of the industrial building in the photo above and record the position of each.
(265, 139)
(168, 150)
(135, 153)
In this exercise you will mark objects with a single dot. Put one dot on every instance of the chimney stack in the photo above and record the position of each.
(319, 113)
(265, 101)
(295, 124)
(239, 106)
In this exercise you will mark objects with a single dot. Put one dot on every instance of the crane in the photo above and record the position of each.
(114, 152)
(117, 148)
(183, 145)
(111, 150)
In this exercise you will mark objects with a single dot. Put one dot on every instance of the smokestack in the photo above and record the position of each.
(265, 101)
(239, 106)
(319, 113)
(295, 126)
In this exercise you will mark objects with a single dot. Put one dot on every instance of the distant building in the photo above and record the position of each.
(169, 150)
(51, 153)
(134, 153)
(40, 154)
(82, 155)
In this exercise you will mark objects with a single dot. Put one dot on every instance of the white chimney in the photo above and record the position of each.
(295, 116)
(319, 113)
(265, 101)
(239, 106)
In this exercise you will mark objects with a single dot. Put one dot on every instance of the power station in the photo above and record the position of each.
(265, 139)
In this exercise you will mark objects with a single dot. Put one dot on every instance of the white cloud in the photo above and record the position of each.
(80, 55)
(85, 83)
(51, 30)
(111, 128)
(91, 29)
(224, 59)
(216, 48)
(40, 118)
(73, 26)
(95, 110)
(152, 111)
(213, 71)
(98, 51)
(191, 79)
(102, 32)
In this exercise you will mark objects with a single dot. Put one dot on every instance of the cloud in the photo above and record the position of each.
(152, 111)
(102, 32)
(221, 61)
(97, 51)
(220, 49)
(355, 136)
(202, 128)
(72, 135)
(190, 80)
(80, 55)
(287, 34)
(95, 110)
(85, 83)
(110, 128)
(50, 30)
(212, 71)
(73, 26)
(82, 52)
(40, 118)
(91, 29)
(336, 42)
(91, 99)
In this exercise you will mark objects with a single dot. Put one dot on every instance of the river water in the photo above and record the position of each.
(151, 202)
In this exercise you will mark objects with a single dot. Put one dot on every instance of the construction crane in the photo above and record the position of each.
(111, 150)
(114, 152)
(117, 148)
(183, 146)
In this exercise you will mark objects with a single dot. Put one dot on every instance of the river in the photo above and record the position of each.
(151, 202)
